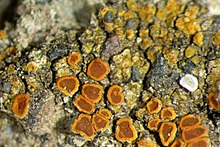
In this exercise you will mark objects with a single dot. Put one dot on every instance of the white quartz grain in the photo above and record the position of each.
(189, 82)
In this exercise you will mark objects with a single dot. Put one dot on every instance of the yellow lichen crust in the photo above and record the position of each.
(198, 39)
(190, 51)
(216, 38)
(3, 35)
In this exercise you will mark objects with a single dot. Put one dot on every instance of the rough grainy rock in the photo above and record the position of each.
(5, 87)
(12, 132)
(113, 46)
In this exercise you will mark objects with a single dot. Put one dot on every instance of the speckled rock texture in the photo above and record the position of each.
(168, 50)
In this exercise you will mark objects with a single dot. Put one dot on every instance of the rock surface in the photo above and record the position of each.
(164, 50)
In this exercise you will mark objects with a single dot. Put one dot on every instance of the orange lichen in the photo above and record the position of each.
(167, 132)
(73, 58)
(2, 35)
(92, 92)
(125, 130)
(192, 133)
(178, 143)
(105, 113)
(83, 126)
(153, 124)
(168, 113)
(213, 101)
(21, 105)
(98, 69)
(114, 95)
(145, 143)
(154, 106)
(189, 121)
(84, 105)
(99, 122)
(200, 142)
(68, 85)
